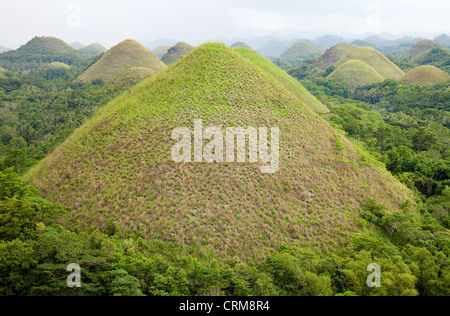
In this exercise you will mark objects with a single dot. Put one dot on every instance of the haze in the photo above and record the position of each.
(197, 21)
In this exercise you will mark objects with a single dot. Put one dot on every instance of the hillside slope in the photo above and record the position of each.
(420, 48)
(126, 54)
(299, 52)
(176, 52)
(119, 165)
(293, 85)
(92, 50)
(333, 55)
(376, 60)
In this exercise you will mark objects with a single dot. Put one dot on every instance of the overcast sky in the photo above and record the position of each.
(111, 21)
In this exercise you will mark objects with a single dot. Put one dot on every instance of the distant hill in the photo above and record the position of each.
(77, 45)
(424, 75)
(40, 51)
(119, 165)
(333, 55)
(92, 50)
(161, 51)
(438, 57)
(293, 85)
(327, 41)
(444, 39)
(273, 49)
(364, 43)
(300, 52)
(420, 48)
(356, 74)
(376, 60)
(127, 54)
(176, 52)
(240, 45)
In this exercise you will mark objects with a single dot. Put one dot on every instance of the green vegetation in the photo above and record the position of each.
(3, 73)
(376, 60)
(333, 55)
(420, 48)
(127, 54)
(298, 53)
(177, 52)
(424, 75)
(40, 51)
(161, 51)
(356, 74)
(240, 45)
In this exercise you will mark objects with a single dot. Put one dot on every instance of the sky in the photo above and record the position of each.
(196, 21)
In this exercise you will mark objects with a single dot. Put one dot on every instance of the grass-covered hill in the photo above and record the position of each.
(299, 52)
(333, 55)
(293, 85)
(92, 50)
(328, 41)
(119, 165)
(176, 52)
(77, 45)
(375, 59)
(126, 54)
(356, 74)
(40, 51)
(240, 45)
(421, 47)
(424, 75)
(130, 77)
(160, 51)
(444, 39)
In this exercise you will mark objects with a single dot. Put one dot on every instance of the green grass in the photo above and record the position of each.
(120, 162)
(356, 74)
(424, 75)
(299, 52)
(333, 55)
(376, 60)
(293, 85)
(125, 55)
(177, 52)
(241, 45)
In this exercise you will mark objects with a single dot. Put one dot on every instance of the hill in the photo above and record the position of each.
(299, 52)
(127, 54)
(356, 74)
(176, 52)
(77, 45)
(92, 50)
(273, 49)
(293, 85)
(376, 60)
(333, 55)
(130, 77)
(328, 41)
(40, 51)
(161, 51)
(240, 45)
(424, 75)
(364, 43)
(420, 48)
(437, 57)
(444, 39)
(120, 165)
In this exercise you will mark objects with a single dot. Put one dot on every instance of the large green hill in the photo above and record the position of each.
(40, 51)
(376, 60)
(299, 52)
(334, 54)
(92, 50)
(356, 74)
(176, 52)
(119, 165)
(420, 48)
(126, 54)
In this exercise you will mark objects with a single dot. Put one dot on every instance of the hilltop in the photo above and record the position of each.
(126, 54)
(293, 85)
(299, 52)
(333, 55)
(77, 45)
(176, 52)
(376, 60)
(40, 51)
(328, 41)
(424, 75)
(119, 165)
(240, 45)
(92, 50)
(420, 48)
(161, 51)
(356, 74)
(444, 39)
